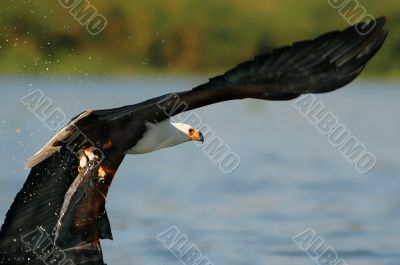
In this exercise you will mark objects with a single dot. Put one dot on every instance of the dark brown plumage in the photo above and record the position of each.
(67, 200)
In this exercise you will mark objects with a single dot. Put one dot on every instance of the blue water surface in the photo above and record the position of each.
(289, 179)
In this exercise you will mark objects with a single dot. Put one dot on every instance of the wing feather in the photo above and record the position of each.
(324, 64)
(66, 203)
(57, 141)
(64, 198)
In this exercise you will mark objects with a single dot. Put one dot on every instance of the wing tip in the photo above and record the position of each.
(372, 26)
(382, 19)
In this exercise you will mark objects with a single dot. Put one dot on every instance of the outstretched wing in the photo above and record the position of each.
(59, 214)
(315, 66)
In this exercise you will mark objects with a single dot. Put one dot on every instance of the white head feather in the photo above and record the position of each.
(165, 134)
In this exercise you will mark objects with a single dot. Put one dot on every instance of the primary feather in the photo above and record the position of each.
(65, 192)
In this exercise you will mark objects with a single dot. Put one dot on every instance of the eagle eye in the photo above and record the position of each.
(191, 131)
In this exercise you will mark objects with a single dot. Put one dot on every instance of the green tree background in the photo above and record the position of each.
(172, 36)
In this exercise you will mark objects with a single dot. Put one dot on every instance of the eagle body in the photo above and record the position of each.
(59, 215)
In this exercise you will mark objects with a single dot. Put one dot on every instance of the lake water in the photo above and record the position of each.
(290, 178)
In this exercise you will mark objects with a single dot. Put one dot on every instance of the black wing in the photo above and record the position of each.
(59, 215)
(65, 202)
(316, 66)
(321, 65)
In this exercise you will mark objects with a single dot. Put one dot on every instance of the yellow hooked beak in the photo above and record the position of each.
(195, 135)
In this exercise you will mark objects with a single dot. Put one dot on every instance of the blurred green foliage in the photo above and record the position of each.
(173, 36)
